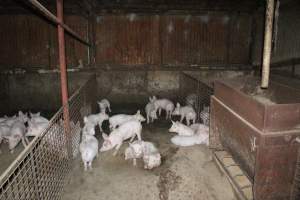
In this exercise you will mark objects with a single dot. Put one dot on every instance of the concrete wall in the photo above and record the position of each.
(36, 92)
(137, 86)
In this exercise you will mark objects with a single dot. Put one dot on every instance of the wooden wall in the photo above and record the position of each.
(27, 41)
(209, 38)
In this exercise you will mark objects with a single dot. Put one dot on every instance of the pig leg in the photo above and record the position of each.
(159, 111)
(134, 162)
(24, 142)
(85, 166)
(100, 127)
(181, 118)
(90, 165)
(132, 138)
(148, 119)
(117, 149)
(138, 134)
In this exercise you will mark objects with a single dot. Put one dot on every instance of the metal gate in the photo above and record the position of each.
(39, 171)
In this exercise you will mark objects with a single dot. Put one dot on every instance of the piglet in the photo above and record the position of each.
(17, 134)
(150, 111)
(117, 120)
(151, 160)
(95, 119)
(37, 118)
(186, 112)
(125, 131)
(36, 128)
(89, 150)
(204, 115)
(181, 129)
(163, 104)
(134, 151)
(103, 105)
(191, 99)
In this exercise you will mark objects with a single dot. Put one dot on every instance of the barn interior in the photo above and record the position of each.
(238, 58)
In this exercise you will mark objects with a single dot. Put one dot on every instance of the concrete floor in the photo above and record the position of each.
(185, 173)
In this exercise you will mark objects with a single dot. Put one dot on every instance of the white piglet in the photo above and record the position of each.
(37, 118)
(96, 119)
(103, 105)
(145, 150)
(89, 150)
(117, 120)
(186, 112)
(181, 129)
(163, 104)
(36, 128)
(125, 131)
(152, 160)
(150, 111)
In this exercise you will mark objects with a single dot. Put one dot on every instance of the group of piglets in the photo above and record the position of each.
(19, 127)
(122, 127)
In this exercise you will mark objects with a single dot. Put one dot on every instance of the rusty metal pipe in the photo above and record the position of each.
(267, 43)
(63, 71)
(57, 21)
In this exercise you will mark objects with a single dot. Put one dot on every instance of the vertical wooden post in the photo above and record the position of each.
(267, 43)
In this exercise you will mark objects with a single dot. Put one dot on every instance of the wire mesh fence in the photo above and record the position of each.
(40, 170)
(196, 92)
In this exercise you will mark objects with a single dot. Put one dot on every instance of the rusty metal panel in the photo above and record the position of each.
(275, 111)
(275, 170)
(24, 41)
(127, 39)
(246, 107)
(194, 39)
(235, 136)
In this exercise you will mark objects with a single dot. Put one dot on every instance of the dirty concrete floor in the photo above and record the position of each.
(6, 158)
(185, 173)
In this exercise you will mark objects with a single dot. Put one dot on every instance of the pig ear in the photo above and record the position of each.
(105, 136)
(178, 104)
(138, 112)
(20, 113)
(172, 122)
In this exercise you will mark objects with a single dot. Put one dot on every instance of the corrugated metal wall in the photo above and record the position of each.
(288, 37)
(211, 38)
(28, 41)
(175, 40)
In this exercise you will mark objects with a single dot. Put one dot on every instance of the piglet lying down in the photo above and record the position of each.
(125, 131)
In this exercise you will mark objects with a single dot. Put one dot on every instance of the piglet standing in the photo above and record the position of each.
(89, 150)
(95, 119)
(103, 105)
(181, 129)
(125, 131)
(186, 112)
(150, 111)
(163, 104)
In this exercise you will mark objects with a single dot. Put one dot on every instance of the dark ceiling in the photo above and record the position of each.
(86, 6)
